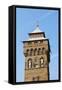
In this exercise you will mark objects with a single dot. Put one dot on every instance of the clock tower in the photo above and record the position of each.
(37, 56)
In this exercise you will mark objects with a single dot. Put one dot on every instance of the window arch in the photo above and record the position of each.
(31, 52)
(27, 51)
(41, 62)
(43, 50)
(30, 63)
(39, 51)
(35, 51)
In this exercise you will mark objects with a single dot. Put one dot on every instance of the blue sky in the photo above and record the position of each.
(26, 21)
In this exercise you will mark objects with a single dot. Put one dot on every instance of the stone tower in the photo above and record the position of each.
(37, 56)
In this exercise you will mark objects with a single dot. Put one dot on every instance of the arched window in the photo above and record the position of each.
(31, 52)
(35, 51)
(41, 62)
(39, 51)
(30, 63)
(43, 50)
(27, 52)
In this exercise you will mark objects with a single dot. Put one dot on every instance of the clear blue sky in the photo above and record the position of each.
(26, 20)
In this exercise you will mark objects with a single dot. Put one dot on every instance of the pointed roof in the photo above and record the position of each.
(36, 30)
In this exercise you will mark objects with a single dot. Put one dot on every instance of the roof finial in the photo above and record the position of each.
(37, 23)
